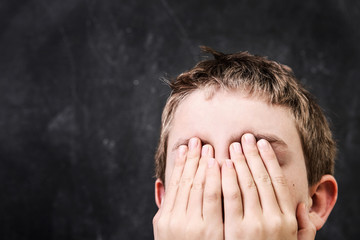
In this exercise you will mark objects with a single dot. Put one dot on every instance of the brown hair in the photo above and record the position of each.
(257, 75)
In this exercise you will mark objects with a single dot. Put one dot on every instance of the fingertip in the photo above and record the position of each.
(302, 208)
(235, 147)
(182, 151)
(193, 143)
(302, 215)
(181, 155)
(207, 151)
(236, 151)
(194, 149)
(248, 138)
(263, 145)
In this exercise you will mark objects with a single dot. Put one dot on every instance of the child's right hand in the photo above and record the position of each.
(191, 208)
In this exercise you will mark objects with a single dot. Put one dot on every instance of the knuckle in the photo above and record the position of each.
(211, 196)
(265, 178)
(193, 157)
(179, 163)
(233, 196)
(281, 180)
(250, 184)
(186, 181)
(174, 183)
(198, 186)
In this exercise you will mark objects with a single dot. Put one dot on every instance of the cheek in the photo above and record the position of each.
(298, 188)
(293, 192)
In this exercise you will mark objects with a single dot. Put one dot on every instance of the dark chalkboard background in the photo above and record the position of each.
(80, 101)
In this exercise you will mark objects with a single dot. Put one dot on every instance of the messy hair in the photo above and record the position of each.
(258, 76)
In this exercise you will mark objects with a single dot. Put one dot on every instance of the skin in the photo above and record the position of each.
(224, 119)
(222, 157)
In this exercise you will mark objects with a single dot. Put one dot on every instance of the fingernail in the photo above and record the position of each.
(229, 163)
(193, 143)
(263, 144)
(211, 162)
(249, 138)
(237, 147)
(205, 150)
(182, 151)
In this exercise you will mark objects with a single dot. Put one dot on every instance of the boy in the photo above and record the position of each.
(244, 153)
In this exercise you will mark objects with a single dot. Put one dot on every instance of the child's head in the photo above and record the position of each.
(260, 78)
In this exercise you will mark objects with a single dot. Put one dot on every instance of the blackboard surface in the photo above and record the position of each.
(80, 101)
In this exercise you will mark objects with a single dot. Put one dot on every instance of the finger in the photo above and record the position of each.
(250, 197)
(212, 208)
(188, 175)
(306, 229)
(197, 190)
(277, 178)
(260, 175)
(172, 188)
(231, 191)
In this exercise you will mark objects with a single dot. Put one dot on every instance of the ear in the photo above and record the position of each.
(159, 192)
(323, 195)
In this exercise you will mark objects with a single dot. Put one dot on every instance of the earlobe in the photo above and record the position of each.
(159, 192)
(324, 196)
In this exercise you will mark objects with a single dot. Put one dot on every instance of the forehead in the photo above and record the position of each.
(230, 111)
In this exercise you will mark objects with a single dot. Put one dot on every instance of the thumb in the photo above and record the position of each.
(306, 229)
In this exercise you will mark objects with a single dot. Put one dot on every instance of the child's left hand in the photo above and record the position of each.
(257, 200)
